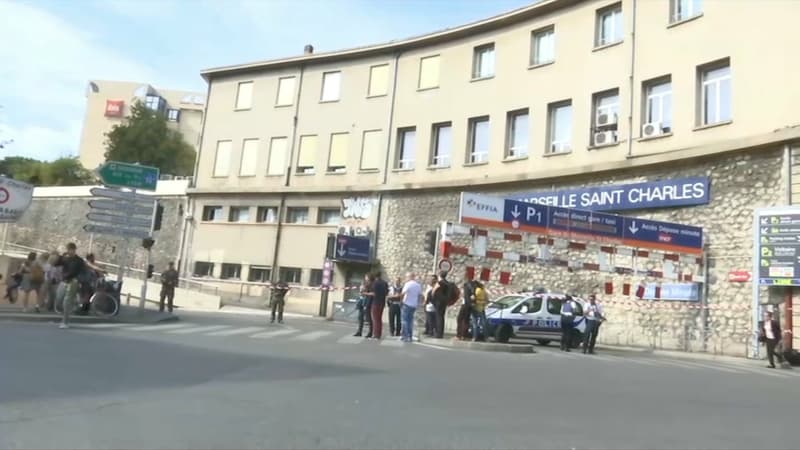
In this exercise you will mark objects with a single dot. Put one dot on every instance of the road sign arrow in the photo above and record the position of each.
(633, 227)
(133, 209)
(130, 222)
(116, 231)
(121, 195)
(515, 212)
(129, 175)
(341, 250)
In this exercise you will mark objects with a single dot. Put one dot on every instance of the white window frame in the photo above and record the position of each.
(265, 270)
(477, 156)
(408, 162)
(216, 216)
(429, 62)
(326, 210)
(676, 13)
(222, 162)
(205, 265)
(237, 269)
(513, 149)
(552, 111)
(374, 134)
(272, 171)
(385, 88)
(715, 84)
(441, 160)
(478, 66)
(263, 210)
(616, 35)
(242, 103)
(294, 270)
(248, 163)
(651, 98)
(327, 95)
(173, 114)
(293, 209)
(549, 33)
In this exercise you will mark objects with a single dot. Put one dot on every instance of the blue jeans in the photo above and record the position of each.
(407, 327)
(478, 323)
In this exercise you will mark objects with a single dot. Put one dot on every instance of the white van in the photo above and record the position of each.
(532, 316)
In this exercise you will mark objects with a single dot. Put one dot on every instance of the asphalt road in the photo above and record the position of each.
(236, 382)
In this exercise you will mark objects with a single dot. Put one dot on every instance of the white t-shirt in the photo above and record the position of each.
(411, 293)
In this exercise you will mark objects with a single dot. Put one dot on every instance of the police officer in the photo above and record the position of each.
(278, 299)
(567, 320)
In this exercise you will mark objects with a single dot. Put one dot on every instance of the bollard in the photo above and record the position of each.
(128, 298)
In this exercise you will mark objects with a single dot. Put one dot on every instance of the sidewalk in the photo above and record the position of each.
(127, 314)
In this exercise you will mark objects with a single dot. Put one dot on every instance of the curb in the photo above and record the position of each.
(675, 354)
(480, 346)
(128, 318)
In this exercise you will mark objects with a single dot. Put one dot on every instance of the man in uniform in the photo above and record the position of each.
(278, 299)
(169, 281)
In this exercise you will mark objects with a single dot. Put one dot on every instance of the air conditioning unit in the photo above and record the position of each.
(652, 129)
(605, 137)
(560, 147)
(606, 119)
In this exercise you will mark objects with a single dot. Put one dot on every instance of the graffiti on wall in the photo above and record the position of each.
(358, 216)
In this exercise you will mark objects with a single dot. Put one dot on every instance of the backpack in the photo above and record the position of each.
(455, 294)
(37, 273)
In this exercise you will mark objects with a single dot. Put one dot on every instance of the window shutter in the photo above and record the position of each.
(222, 160)
(339, 146)
(308, 151)
(371, 150)
(249, 157)
(378, 80)
(277, 156)
(429, 72)
(285, 91)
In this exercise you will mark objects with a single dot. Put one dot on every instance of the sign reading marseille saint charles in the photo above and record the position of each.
(571, 223)
(620, 197)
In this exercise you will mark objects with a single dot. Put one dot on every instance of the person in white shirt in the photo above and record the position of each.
(412, 293)
(593, 312)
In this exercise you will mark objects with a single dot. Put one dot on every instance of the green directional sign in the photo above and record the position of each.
(129, 175)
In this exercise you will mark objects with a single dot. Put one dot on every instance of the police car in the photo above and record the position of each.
(533, 316)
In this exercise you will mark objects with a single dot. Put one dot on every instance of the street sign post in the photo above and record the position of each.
(352, 248)
(126, 175)
(571, 223)
(111, 205)
(444, 265)
(115, 231)
(114, 219)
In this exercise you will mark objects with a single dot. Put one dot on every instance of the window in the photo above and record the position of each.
(244, 95)
(378, 80)
(307, 154)
(518, 133)
(715, 93)
(297, 215)
(684, 9)
(277, 156)
(259, 274)
(285, 91)
(609, 25)
(605, 117)
(543, 46)
(212, 213)
(441, 144)
(222, 160)
(267, 214)
(658, 104)
(406, 148)
(329, 216)
(315, 278)
(337, 158)
(173, 115)
(154, 103)
(203, 269)
(559, 116)
(478, 141)
(230, 271)
(247, 167)
(429, 72)
(533, 304)
(239, 214)
(371, 150)
(483, 61)
(290, 274)
(331, 84)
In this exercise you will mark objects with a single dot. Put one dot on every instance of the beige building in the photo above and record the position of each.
(560, 94)
(109, 102)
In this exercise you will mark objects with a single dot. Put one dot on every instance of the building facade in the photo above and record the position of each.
(379, 141)
(109, 102)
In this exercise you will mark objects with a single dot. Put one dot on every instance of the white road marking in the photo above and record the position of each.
(437, 347)
(390, 342)
(235, 331)
(272, 334)
(197, 329)
(103, 325)
(350, 339)
(160, 327)
(312, 336)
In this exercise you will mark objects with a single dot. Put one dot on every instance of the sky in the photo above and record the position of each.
(49, 49)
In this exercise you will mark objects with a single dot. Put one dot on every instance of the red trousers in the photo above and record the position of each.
(377, 319)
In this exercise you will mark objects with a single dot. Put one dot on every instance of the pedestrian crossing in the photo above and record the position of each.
(744, 367)
(250, 332)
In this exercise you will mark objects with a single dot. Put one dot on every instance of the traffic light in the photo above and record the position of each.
(148, 243)
(150, 268)
(430, 242)
(158, 216)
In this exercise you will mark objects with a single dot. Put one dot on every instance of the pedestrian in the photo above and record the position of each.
(395, 302)
(32, 280)
(442, 294)
(41, 293)
(169, 281)
(771, 335)
(412, 293)
(465, 310)
(593, 313)
(567, 319)
(52, 280)
(478, 311)
(364, 304)
(278, 300)
(380, 289)
(430, 310)
(13, 286)
(71, 265)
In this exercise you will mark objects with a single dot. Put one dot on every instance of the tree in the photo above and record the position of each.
(145, 138)
(61, 172)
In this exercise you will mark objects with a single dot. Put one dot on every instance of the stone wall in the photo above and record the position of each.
(740, 182)
(51, 222)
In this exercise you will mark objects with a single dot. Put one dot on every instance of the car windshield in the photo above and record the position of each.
(505, 301)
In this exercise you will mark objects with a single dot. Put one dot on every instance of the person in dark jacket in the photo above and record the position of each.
(364, 306)
(441, 297)
(278, 300)
(380, 289)
(72, 266)
(771, 336)
(169, 281)
(465, 311)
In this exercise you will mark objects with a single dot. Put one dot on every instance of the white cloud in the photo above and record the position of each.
(46, 64)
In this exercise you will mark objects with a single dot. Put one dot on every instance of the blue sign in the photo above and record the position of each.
(351, 248)
(686, 292)
(662, 234)
(620, 197)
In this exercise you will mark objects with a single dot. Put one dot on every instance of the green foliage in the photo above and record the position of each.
(145, 138)
(61, 172)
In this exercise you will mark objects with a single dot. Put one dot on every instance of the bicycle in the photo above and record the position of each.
(103, 302)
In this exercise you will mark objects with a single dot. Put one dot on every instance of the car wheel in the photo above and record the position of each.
(543, 341)
(503, 333)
